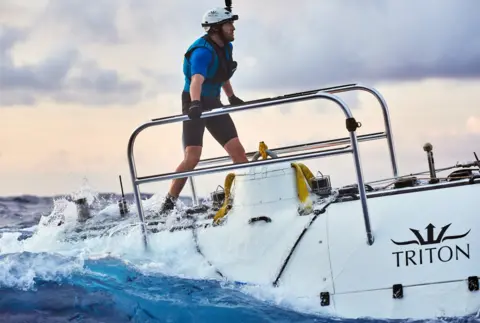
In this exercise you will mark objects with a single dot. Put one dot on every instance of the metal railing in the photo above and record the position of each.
(301, 147)
(332, 90)
(343, 88)
(288, 149)
(291, 98)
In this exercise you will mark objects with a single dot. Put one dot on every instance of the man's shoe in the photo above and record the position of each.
(168, 205)
(160, 216)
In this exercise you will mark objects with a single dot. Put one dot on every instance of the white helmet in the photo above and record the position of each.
(217, 16)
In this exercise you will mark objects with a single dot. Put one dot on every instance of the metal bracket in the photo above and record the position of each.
(324, 298)
(397, 291)
(473, 283)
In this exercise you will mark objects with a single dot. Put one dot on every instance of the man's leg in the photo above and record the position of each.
(190, 161)
(193, 140)
(224, 131)
(236, 151)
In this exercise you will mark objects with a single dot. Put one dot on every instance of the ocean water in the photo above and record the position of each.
(45, 277)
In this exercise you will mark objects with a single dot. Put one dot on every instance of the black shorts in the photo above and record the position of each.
(220, 127)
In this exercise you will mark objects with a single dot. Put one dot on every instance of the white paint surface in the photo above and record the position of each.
(334, 256)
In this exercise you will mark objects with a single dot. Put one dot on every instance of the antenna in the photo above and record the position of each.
(122, 203)
(228, 5)
(121, 185)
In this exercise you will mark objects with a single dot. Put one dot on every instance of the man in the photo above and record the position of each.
(208, 66)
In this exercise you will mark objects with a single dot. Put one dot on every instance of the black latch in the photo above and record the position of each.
(352, 124)
(473, 283)
(397, 291)
(324, 298)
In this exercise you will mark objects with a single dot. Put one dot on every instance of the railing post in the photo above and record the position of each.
(386, 118)
(388, 125)
(361, 187)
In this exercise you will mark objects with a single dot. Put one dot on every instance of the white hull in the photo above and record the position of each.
(333, 255)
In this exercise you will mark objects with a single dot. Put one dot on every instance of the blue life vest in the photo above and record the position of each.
(221, 67)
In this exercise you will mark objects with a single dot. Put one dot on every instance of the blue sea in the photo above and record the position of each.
(47, 278)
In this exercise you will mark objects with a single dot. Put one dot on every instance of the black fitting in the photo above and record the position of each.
(324, 298)
(352, 124)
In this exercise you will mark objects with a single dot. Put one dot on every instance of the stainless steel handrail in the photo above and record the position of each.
(351, 127)
(227, 167)
(300, 147)
(332, 90)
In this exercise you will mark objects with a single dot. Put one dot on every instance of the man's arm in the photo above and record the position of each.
(200, 59)
(227, 88)
(196, 86)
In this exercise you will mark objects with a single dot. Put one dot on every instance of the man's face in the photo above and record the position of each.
(228, 31)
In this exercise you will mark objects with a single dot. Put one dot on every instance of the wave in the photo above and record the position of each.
(48, 275)
(110, 290)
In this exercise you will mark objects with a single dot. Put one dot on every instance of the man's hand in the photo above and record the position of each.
(195, 110)
(234, 100)
(227, 88)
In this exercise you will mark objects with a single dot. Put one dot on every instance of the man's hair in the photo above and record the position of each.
(214, 29)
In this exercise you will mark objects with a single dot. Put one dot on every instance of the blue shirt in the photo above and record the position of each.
(199, 61)
(202, 59)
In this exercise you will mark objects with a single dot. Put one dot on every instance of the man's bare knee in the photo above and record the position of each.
(192, 157)
(191, 161)
(236, 150)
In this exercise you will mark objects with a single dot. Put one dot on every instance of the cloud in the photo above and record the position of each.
(63, 76)
(19, 13)
(331, 43)
(161, 80)
(90, 23)
(326, 43)
(339, 43)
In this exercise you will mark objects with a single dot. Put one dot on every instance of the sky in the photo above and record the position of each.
(76, 79)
